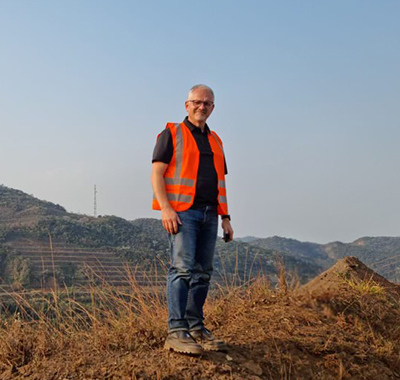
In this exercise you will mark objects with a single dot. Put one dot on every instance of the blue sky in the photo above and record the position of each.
(307, 99)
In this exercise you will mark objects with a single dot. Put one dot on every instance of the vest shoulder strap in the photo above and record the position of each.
(171, 125)
(217, 137)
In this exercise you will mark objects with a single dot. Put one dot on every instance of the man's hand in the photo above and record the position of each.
(170, 220)
(226, 226)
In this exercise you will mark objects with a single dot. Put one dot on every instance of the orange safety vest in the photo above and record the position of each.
(181, 174)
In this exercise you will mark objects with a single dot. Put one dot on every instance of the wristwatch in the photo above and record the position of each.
(226, 217)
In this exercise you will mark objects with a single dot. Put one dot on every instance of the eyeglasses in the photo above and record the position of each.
(198, 103)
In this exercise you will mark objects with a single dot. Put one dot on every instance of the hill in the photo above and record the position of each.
(341, 325)
(41, 243)
(381, 253)
(312, 252)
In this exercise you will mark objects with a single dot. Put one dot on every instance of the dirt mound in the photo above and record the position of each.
(349, 272)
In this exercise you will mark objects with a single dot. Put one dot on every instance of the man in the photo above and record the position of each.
(188, 179)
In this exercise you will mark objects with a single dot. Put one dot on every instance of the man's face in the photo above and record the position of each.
(199, 105)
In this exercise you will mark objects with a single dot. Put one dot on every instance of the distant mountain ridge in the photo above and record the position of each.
(142, 242)
(380, 253)
(28, 226)
(247, 239)
(291, 246)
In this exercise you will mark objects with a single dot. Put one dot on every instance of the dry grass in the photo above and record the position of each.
(273, 334)
(368, 286)
(43, 325)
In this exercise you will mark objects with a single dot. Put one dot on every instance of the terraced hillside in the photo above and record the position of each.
(73, 265)
(82, 248)
(103, 247)
(107, 243)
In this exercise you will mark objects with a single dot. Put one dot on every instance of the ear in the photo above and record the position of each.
(187, 105)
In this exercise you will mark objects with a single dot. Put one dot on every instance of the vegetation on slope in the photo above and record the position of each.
(143, 242)
(16, 203)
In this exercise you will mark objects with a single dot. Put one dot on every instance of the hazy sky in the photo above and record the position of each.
(307, 104)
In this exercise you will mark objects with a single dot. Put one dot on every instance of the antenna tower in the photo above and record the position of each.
(95, 201)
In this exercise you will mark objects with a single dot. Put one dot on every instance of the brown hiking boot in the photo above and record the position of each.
(207, 340)
(181, 341)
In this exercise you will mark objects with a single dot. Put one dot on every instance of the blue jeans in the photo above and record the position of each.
(192, 253)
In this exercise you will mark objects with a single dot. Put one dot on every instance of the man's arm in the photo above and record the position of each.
(169, 217)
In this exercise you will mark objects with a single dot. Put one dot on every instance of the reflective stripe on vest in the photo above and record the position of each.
(178, 151)
(179, 198)
(179, 181)
(222, 199)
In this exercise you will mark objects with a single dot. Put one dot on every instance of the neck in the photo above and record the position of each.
(199, 124)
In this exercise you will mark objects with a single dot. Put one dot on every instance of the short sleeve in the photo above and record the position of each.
(164, 148)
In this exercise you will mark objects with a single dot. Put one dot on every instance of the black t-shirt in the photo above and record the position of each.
(207, 179)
